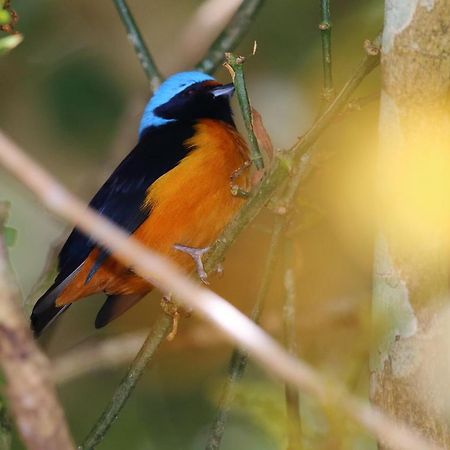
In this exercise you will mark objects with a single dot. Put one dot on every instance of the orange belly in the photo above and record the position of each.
(190, 205)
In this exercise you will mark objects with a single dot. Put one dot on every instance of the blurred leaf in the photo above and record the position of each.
(10, 236)
(7, 43)
(263, 403)
(5, 17)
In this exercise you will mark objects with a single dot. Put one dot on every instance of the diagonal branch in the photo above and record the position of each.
(136, 39)
(239, 358)
(231, 36)
(29, 388)
(284, 161)
(128, 383)
(239, 329)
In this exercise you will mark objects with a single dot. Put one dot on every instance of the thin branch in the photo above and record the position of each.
(32, 397)
(158, 333)
(239, 329)
(284, 161)
(357, 104)
(239, 358)
(294, 423)
(325, 34)
(136, 39)
(231, 36)
(235, 65)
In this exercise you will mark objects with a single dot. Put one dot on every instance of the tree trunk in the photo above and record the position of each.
(411, 251)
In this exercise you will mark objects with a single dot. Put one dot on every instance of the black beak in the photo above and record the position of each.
(225, 90)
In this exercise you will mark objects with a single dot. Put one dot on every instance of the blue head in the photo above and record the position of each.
(187, 96)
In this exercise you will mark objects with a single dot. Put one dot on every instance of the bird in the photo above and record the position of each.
(172, 193)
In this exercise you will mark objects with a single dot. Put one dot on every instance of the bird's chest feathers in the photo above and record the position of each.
(193, 202)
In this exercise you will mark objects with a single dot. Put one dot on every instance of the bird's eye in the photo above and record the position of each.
(189, 92)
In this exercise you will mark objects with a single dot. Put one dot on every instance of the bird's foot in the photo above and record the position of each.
(171, 309)
(236, 190)
(196, 254)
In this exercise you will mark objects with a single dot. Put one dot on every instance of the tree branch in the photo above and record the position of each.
(29, 388)
(284, 161)
(325, 34)
(231, 36)
(235, 65)
(239, 358)
(294, 423)
(136, 39)
(167, 277)
(128, 383)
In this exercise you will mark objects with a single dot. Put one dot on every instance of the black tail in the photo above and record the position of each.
(45, 311)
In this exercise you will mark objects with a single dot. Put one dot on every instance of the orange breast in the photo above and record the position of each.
(190, 205)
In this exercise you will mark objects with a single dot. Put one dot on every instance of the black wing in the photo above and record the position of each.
(122, 196)
(121, 200)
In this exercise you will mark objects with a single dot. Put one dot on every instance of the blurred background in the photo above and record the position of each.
(72, 95)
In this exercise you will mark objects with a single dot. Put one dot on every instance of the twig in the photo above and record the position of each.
(231, 36)
(325, 34)
(135, 37)
(128, 383)
(284, 161)
(369, 62)
(167, 277)
(239, 358)
(358, 104)
(235, 66)
(29, 389)
(294, 423)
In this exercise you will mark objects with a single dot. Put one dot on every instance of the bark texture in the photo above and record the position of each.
(411, 252)
(29, 388)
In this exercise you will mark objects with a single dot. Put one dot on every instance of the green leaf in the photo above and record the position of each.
(9, 42)
(10, 235)
(5, 17)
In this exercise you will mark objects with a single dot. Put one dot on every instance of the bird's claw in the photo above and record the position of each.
(196, 254)
(171, 309)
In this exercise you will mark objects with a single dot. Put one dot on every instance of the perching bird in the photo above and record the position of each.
(172, 192)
